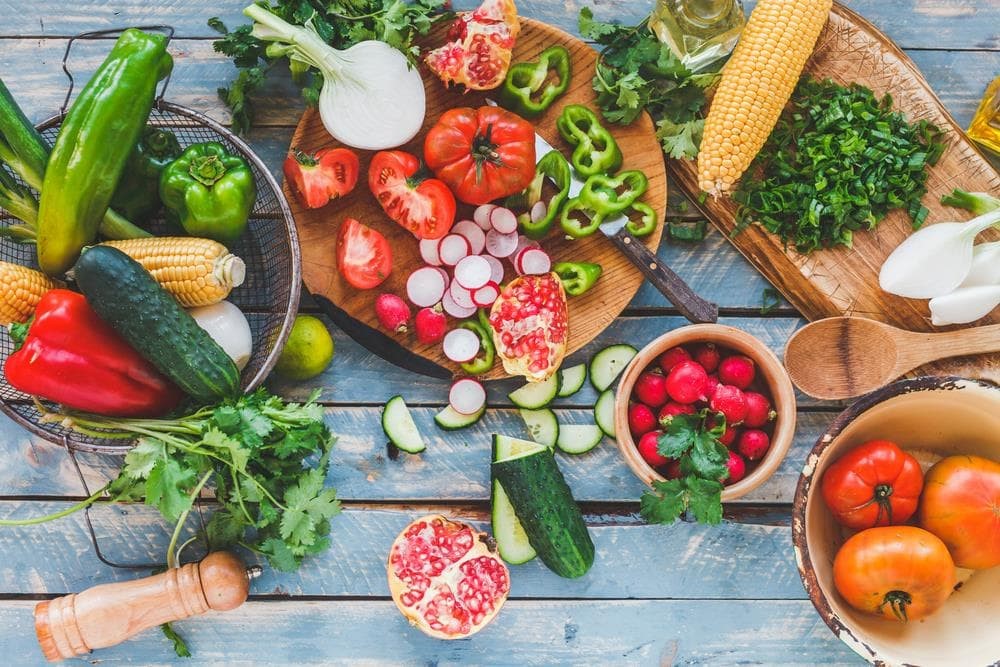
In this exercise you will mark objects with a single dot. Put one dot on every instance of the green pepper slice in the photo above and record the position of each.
(596, 151)
(523, 91)
(613, 194)
(483, 361)
(555, 167)
(577, 227)
(577, 277)
(137, 196)
(644, 223)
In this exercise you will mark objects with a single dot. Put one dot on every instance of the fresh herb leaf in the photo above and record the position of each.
(665, 503)
(705, 499)
(180, 647)
(680, 140)
(688, 232)
(770, 299)
(679, 436)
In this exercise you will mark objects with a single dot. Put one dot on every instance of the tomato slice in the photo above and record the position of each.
(425, 207)
(317, 179)
(363, 255)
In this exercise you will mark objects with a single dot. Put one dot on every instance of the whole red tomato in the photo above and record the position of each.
(902, 573)
(874, 484)
(961, 505)
(363, 255)
(482, 154)
(424, 207)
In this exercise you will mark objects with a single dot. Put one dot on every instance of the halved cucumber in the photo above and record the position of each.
(512, 541)
(451, 419)
(542, 426)
(398, 424)
(535, 395)
(578, 438)
(604, 412)
(571, 379)
(608, 364)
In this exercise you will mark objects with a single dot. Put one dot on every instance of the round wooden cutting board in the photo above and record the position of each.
(589, 314)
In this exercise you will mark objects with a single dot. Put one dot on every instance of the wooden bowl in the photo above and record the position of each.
(778, 384)
(932, 417)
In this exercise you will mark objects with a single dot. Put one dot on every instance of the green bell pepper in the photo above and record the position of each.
(522, 90)
(552, 166)
(596, 151)
(138, 193)
(645, 223)
(613, 194)
(483, 361)
(577, 227)
(210, 191)
(577, 277)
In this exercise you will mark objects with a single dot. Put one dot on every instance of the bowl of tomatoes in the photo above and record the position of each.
(896, 523)
(705, 402)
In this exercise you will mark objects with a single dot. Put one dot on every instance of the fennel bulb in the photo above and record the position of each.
(966, 304)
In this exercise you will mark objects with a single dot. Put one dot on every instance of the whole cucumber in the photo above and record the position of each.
(127, 297)
(95, 140)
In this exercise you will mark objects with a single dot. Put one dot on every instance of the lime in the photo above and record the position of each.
(308, 352)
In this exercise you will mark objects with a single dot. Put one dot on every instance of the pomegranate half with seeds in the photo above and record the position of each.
(446, 578)
(530, 326)
(479, 46)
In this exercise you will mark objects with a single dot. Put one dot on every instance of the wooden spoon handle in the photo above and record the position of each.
(927, 347)
(108, 614)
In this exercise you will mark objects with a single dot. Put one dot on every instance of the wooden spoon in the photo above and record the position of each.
(842, 357)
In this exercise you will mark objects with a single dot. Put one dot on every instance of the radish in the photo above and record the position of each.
(430, 324)
(737, 370)
(523, 243)
(453, 309)
(499, 244)
(472, 272)
(446, 276)
(461, 345)
(503, 220)
(538, 211)
(686, 382)
(672, 357)
(496, 269)
(651, 389)
(486, 295)
(481, 216)
(728, 399)
(467, 396)
(425, 286)
(429, 252)
(392, 313)
(453, 248)
(534, 262)
(473, 234)
(461, 296)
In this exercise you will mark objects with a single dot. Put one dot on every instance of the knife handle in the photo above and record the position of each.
(664, 279)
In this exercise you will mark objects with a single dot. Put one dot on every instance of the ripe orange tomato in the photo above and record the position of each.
(902, 573)
(874, 484)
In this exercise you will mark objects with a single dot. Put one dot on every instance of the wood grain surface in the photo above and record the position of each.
(589, 314)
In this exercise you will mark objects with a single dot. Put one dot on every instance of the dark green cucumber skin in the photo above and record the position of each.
(545, 507)
(127, 297)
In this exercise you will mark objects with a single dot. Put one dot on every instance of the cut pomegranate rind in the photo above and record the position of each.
(481, 216)
(500, 245)
(460, 345)
(425, 286)
(486, 295)
(496, 269)
(530, 326)
(534, 262)
(472, 272)
(455, 310)
(467, 396)
(452, 248)
(473, 234)
(503, 220)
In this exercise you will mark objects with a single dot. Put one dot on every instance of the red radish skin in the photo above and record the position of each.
(729, 435)
(651, 389)
(648, 449)
(430, 325)
(472, 272)
(486, 295)
(759, 410)
(452, 248)
(481, 216)
(670, 410)
(686, 382)
(729, 400)
(429, 251)
(503, 220)
(473, 234)
(711, 384)
(461, 345)
(753, 444)
(392, 313)
(500, 245)
(672, 357)
(425, 286)
(737, 370)
(737, 468)
(673, 469)
(640, 420)
(455, 310)
(467, 396)
(523, 243)
(706, 354)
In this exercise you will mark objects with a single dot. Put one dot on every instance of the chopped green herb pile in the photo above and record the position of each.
(838, 161)
(341, 23)
(689, 231)
(636, 72)
(690, 439)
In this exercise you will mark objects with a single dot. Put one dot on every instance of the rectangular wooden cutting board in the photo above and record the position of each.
(844, 281)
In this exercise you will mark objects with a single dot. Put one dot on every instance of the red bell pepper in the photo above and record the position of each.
(70, 356)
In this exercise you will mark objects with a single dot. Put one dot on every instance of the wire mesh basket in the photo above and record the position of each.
(269, 296)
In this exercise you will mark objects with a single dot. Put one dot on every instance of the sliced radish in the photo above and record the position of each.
(500, 245)
(452, 248)
(460, 345)
(462, 296)
(447, 278)
(425, 286)
(523, 243)
(467, 396)
(496, 269)
(429, 252)
(538, 211)
(473, 234)
(534, 261)
(473, 272)
(481, 216)
(503, 220)
(455, 310)
(486, 295)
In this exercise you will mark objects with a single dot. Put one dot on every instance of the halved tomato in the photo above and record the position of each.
(317, 179)
(424, 207)
(363, 255)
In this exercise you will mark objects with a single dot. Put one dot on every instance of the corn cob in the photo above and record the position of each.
(197, 272)
(21, 289)
(756, 83)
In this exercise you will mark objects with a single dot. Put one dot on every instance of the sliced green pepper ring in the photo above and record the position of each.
(613, 194)
(483, 361)
(555, 167)
(579, 226)
(577, 277)
(642, 219)
(596, 151)
(523, 91)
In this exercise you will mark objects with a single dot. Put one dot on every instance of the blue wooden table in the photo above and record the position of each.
(656, 595)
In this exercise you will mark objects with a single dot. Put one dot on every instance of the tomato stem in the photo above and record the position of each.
(484, 150)
(898, 601)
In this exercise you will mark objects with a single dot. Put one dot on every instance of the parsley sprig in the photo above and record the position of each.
(694, 441)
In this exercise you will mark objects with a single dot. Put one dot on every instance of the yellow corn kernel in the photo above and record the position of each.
(197, 272)
(21, 289)
(756, 83)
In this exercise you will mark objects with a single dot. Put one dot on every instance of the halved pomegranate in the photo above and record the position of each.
(530, 326)
(479, 47)
(446, 578)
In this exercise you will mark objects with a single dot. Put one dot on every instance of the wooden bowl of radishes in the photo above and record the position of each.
(704, 371)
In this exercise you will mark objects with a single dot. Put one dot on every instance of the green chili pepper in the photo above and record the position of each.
(577, 277)
(645, 223)
(552, 166)
(596, 151)
(522, 90)
(613, 194)
(210, 191)
(138, 194)
(483, 361)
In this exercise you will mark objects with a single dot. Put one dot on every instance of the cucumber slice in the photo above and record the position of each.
(535, 395)
(604, 412)
(451, 419)
(571, 379)
(398, 424)
(608, 364)
(512, 541)
(542, 426)
(578, 438)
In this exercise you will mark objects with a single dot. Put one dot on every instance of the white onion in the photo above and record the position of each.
(228, 326)
(964, 305)
(985, 268)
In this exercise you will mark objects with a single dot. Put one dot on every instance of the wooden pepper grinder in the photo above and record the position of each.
(108, 614)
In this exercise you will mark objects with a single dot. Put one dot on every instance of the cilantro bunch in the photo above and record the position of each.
(694, 441)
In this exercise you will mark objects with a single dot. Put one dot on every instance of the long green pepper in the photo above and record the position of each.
(552, 166)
